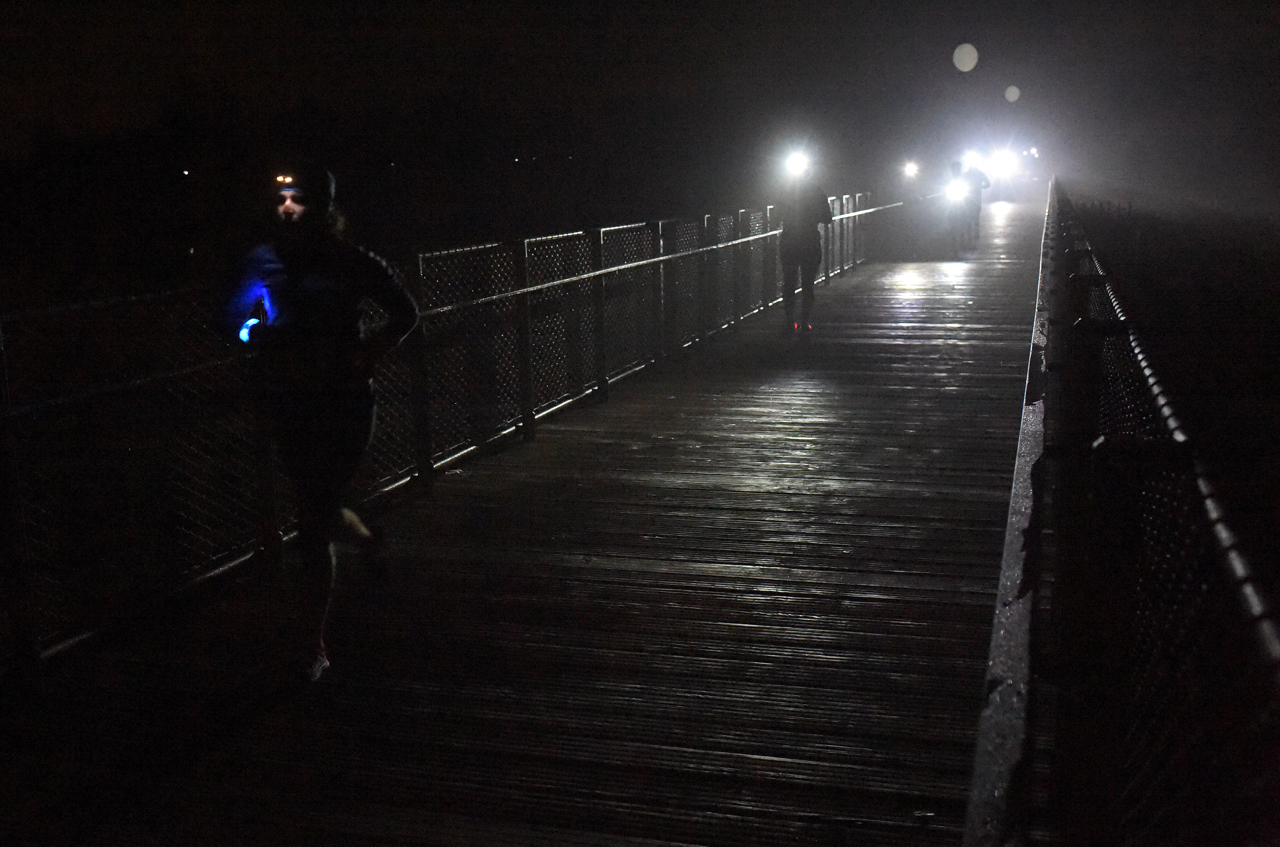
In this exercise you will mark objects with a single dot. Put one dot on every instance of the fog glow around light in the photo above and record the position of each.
(797, 163)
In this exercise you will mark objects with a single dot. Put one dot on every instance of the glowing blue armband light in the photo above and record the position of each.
(245, 327)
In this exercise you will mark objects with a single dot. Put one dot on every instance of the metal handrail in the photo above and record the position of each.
(594, 274)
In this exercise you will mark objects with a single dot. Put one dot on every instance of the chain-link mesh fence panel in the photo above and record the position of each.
(472, 365)
(771, 268)
(451, 277)
(622, 245)
(132, 455)
(1196, 702)
(390, 457)
(720, 278)
(1125, 406)
(630, 328)
(126, 493)
(216, 459)
(681, 282)
(751, 258)
(558, 257)
(831, 243)
(827, 270)
(563, 338)
(1098, 306)
(861, 228)
(1194, 699)
(472, 374)
(843, 232)
(742, 298)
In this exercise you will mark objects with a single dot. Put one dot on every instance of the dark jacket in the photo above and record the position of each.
(804, 209)
(308, 299)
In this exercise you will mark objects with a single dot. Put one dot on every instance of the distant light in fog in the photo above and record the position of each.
(965, 57)
(797, 163)
(1012, 93)
(911, 169)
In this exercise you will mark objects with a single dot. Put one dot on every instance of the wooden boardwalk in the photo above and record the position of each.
(747, 601)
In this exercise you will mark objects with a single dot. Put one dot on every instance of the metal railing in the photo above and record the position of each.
(131, 463)
(1132, 605)
(566, 315)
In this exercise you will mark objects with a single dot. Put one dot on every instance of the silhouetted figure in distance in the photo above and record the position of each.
(977, 181)
(804, 211)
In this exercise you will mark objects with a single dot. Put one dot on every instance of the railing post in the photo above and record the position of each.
(597, 313)
(847, 259)
(524, 341)
(837, 234)
(828, 248)
(741, 279)
(863, 201)
(769, 277)
(707, 280)
(658, 323)
(419, 355)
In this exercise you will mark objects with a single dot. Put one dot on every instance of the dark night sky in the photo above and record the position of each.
(631, 108)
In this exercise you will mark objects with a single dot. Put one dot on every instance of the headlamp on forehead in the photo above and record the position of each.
(284, 184)
(310, 181)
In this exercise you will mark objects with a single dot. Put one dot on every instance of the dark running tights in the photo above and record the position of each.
(804, 269)
(320, 438)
